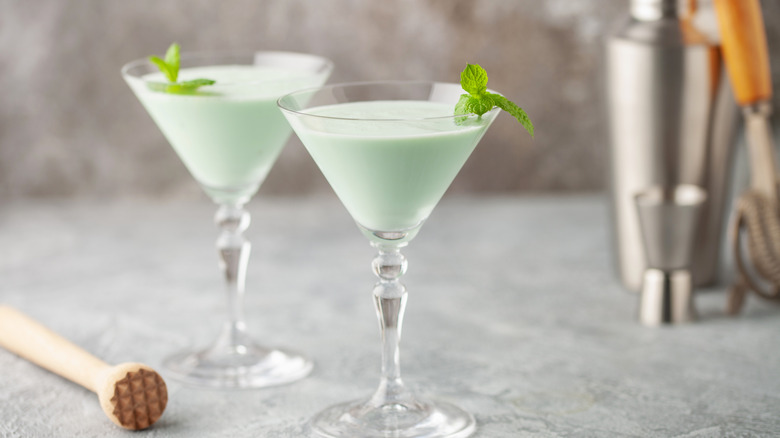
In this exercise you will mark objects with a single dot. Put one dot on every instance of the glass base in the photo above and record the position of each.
(238, 367)
(419, 419)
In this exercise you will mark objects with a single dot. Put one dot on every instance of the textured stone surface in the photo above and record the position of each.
(69, 126)
(513, 313)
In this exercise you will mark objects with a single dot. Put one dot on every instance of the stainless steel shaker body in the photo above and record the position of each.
(672, 121)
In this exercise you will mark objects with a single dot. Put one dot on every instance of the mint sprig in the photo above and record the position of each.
(170, 68)
(478, 101)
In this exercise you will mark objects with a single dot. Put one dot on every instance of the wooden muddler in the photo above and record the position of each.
(131, 394)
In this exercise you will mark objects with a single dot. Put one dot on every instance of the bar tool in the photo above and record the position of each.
(672, 120)
(668, 220)
(756, 228)
(132, 395)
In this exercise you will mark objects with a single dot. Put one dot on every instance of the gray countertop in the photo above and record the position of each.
(514, 313)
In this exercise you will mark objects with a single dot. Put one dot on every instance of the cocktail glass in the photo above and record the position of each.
(228, 135)
(389, 150)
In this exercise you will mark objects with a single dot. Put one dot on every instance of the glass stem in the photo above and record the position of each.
(233, 249)
(390, 301)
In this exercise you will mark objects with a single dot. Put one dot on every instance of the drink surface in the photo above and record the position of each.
(230, 134)
(389, 161)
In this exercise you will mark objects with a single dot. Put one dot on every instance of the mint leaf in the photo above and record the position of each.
(474, 79)
(163, 66)
(478, 101)
(460, 107)
(185, 87)
(170, 68)
(197, 82)
(480, 105)
(172, 59)
(514, 110)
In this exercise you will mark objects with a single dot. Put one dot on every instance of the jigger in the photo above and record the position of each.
(668, 218)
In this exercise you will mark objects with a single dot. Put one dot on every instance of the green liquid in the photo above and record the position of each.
(228, 135)
(389, 174)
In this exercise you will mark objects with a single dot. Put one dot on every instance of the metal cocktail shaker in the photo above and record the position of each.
(672, 121)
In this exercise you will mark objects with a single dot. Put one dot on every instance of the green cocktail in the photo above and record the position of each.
(389, 150)
(228, 133)
(390, 175)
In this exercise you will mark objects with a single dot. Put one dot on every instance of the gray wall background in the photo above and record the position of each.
(70, 127)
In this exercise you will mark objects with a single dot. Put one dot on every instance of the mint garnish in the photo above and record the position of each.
(478, 101)
(170, 68)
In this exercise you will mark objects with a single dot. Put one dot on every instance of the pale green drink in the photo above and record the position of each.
(228, 135)
(389, 172)
(228, 131)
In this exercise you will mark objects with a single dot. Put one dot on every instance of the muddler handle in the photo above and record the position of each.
(20, 334)
(745, 49)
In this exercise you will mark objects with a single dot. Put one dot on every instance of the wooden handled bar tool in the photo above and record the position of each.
(757, 215)
(131, 394)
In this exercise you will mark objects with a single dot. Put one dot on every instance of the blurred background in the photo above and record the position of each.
(70, 127)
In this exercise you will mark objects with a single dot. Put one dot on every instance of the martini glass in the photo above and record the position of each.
(389, 150)
(228, 136)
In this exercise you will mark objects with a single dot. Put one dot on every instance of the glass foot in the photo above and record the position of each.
(417, 419)
(238, 367)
